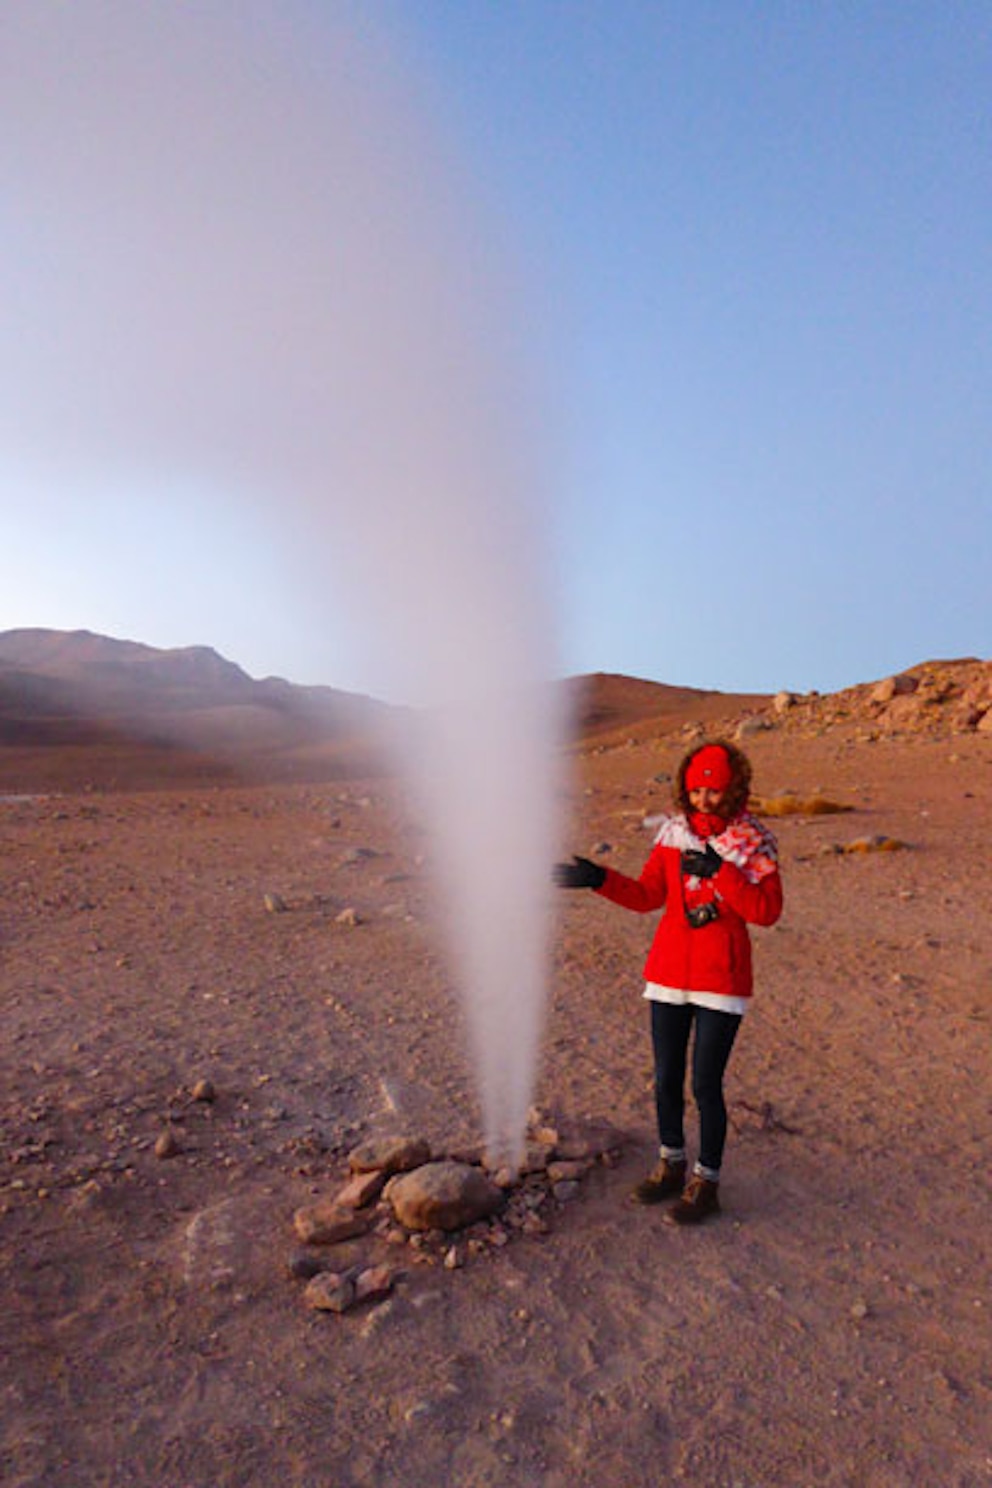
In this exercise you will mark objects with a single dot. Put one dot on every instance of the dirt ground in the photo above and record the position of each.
(831, 1327)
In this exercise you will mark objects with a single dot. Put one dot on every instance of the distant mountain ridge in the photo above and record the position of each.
(65, 687)
(79, 709)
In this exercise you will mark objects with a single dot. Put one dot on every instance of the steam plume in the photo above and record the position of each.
(234, 247)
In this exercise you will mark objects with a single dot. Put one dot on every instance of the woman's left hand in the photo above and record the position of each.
(702, 864)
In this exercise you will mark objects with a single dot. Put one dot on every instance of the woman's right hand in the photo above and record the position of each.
(580, 873)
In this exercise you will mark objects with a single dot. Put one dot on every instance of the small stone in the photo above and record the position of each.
(373, 1284)
(330, 1292)
(860, 1310)
(361, 1190)
(204, 1091)
(454, 1258)
(274, 903)
(568, 1172)
(357, 855)
(325, 1224)
(349, 916)
(873, 844)
(166, 1144)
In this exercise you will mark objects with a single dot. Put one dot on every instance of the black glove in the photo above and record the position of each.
(580, 873)
(702, 864)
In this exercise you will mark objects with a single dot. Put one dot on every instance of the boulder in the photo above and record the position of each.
(444, 1196)
(891, 687)
(389, 1154)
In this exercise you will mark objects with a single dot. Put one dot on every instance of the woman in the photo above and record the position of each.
(713, 870)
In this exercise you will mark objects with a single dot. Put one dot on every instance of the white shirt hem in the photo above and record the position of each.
(718, 1001)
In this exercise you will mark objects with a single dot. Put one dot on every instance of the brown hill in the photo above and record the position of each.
(605, 703)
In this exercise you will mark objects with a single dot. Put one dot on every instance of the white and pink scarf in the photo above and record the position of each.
(744, 841)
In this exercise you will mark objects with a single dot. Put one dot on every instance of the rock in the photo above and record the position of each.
(454, 1258)
(789, 803)
(979, 693)
(274, 903)
(565, 1191)
(389, 1154)
(204, 1091)
(330, 1292)
(373, 1284)
(748, 727)
(568, 1172)
(357, 855)
(504, 1178)
(783, 701)
(362, 1189)
(166, 1144)
(444, 1196)
(326, 1224)
(348, 916)
(891, 687)
(876, 843)
(545, 1135)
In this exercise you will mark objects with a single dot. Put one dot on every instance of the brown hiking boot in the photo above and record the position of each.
(699, 1200)
(665, 1182)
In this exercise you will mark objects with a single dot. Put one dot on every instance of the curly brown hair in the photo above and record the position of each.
(737, 792)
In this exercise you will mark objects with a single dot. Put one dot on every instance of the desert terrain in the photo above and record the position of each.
(262, 919)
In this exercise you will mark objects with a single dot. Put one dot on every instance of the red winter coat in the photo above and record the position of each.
(715, 957)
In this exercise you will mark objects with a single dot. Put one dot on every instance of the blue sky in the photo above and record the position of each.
(746, 254)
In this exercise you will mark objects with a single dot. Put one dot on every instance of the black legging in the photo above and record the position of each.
(715, 1033)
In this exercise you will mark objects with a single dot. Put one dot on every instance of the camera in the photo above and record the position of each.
(702, 914)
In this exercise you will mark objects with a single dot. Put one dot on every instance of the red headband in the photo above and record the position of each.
(709, 767)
